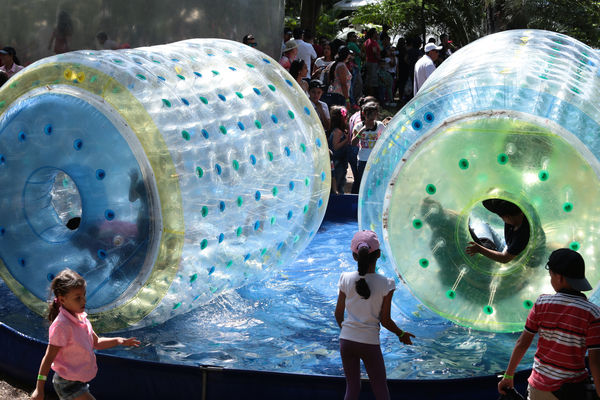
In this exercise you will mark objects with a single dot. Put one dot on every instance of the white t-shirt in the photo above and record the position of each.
(367, 139)
(361, 323)
(306, 52)
(423, 68)
(321, 63)
(324, 107)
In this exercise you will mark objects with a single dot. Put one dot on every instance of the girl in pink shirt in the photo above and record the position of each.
(72, 341)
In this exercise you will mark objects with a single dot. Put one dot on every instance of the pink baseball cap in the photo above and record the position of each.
(364, 238)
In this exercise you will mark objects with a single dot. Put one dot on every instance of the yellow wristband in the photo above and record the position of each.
(509, 376)
(42, 377)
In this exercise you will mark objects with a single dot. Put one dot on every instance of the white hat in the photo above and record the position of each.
(290, 45)
(432, 46)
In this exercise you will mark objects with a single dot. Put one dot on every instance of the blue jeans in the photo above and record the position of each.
(68, 390)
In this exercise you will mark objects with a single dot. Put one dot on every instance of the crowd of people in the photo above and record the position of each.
(348, 80)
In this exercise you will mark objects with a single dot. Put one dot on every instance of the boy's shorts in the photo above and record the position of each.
(68, 390)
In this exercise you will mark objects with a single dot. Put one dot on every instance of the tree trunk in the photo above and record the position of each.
(309, 12)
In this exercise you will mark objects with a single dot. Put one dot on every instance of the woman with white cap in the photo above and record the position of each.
(367, 298)
(289, 54)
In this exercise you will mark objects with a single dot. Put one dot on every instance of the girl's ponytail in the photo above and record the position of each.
(53, 309)
(362, 288)
(62, 284)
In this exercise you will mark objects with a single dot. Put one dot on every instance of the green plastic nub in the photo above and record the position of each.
(528, 304)
(463, 163)
(430, 189)
(451, 294)
(543, 175)
(567, 207)
(417, 223)
(423, 262)
(489, 310)
(502, 158)
(574, 246)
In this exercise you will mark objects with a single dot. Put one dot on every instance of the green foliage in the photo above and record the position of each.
(467, 20)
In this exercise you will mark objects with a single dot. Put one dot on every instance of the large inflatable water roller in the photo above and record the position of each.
(512, 116)
(163, 175)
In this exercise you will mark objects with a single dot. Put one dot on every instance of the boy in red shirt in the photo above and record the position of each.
(569, 325)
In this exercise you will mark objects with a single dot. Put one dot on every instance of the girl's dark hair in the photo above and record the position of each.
(364, 260)
(62, 284)
(296, 67)
(338, 120)
(369, 107)
(13, 53)
(341, 56)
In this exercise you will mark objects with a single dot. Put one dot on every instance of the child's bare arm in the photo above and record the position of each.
(109, 342)
(51, 352)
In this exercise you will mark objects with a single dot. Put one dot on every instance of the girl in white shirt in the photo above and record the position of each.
(366, 298)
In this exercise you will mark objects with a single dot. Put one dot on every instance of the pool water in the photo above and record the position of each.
(286, 324)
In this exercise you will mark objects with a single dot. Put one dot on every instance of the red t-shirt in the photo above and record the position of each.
(372, 51)
(568, 325)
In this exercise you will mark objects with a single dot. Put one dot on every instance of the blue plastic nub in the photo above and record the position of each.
(274, 118)
(221, 237)
(22, 136)
(185, 101)
(291, 185)
(241, 126)
(429, 117)
(22, 262)
(2, 159)
(257, 195)
(100, 174)
(77, 144)
(252, 159)
(48, 129)
(205, 133)
(50, 277)
(256, 91)
(218, 169)
(318, 141)
(222, 97)
(2, 231)
(306, 110)
(290, 215)
(101, 254)
(287, 151)
(109, 215)
(256, 225)
(222, 206)
(417, 125)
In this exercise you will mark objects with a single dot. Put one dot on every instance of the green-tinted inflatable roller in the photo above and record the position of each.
(513, 116)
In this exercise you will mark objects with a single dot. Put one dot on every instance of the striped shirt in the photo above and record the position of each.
(568, 325)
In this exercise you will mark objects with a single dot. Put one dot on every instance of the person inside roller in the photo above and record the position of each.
(516, 233)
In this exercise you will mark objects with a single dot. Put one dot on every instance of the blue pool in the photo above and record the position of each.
(286, 324)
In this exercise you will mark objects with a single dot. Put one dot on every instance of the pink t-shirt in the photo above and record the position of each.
(75, 361)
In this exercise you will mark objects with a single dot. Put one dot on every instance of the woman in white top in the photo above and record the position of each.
(322, 63)
(366, 297)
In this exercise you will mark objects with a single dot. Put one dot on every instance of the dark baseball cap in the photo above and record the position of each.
(501, 207)
(569, 264)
